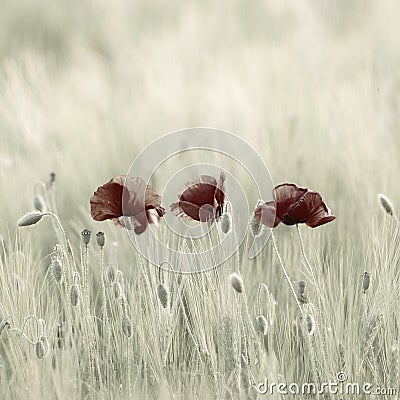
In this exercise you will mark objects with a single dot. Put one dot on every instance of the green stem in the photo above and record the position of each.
(286, 274)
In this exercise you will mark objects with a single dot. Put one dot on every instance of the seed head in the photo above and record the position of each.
(40, 350)
(122, 302)
(56, 269)
(127, 326)
(163, 295)
(256, 227)
(52, 177)
(262, 324)
(117, 289)
(302, 287)
(310, 323)
(101, 239)
(45, 343)
(85, 236)
(236, 282)
(111, 274)
(4, 324)
(39, 204)
(366, 280)
(386, 204)
(30, 218)
(301, 296)
(226, 222)
(74, 294)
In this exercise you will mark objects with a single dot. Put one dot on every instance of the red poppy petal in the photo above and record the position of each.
(286, 195)
(320, 221)
(298, 213)
(319, 212)
(288, 191)
(106, 201)
(177, 210)
(152, 198)
(266, 214)
(124, 195)
(139, 222)
(134, 195)
(160, 211)
(152, 216)
(184, 209)
(137, 195)
(200, 190)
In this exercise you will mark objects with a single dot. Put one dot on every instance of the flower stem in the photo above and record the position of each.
(303, 253)
(286, 274)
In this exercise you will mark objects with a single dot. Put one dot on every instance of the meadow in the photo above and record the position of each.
(314, 87)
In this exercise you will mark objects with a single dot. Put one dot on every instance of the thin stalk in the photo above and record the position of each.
(286, 274)
(319, 322)
(68, 248)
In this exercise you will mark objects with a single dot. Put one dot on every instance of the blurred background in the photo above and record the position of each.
(314, 86)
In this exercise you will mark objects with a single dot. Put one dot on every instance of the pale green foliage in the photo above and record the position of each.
(313, 86)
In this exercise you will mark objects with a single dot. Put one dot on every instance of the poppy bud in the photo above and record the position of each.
(256, 227)
(226, 222)
(127, 327)
(74, 294)
(262, 324)
(40, 350)
(4, 323)
(237, 282)
(57, 270)
(310, 323)
(117, 289)
(163, 295)
(30, 218)
(386, 204)
(111, 274)
(100, 238)
(52, 177)
(45, 343)
(302, 287)
(86, 236)
(122, 302)
(39, 204)
(301, 297)
(366, 279)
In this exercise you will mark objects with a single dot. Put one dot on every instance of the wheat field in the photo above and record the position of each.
(313, 86)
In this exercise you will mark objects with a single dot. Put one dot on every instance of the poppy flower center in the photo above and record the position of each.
(296, 213)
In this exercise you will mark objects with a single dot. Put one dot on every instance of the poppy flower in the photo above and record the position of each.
(202, 199)
(127, 196)
(294, 205)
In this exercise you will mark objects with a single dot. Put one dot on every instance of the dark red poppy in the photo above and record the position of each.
(127, 196)
(294, 205)
(202, 199)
